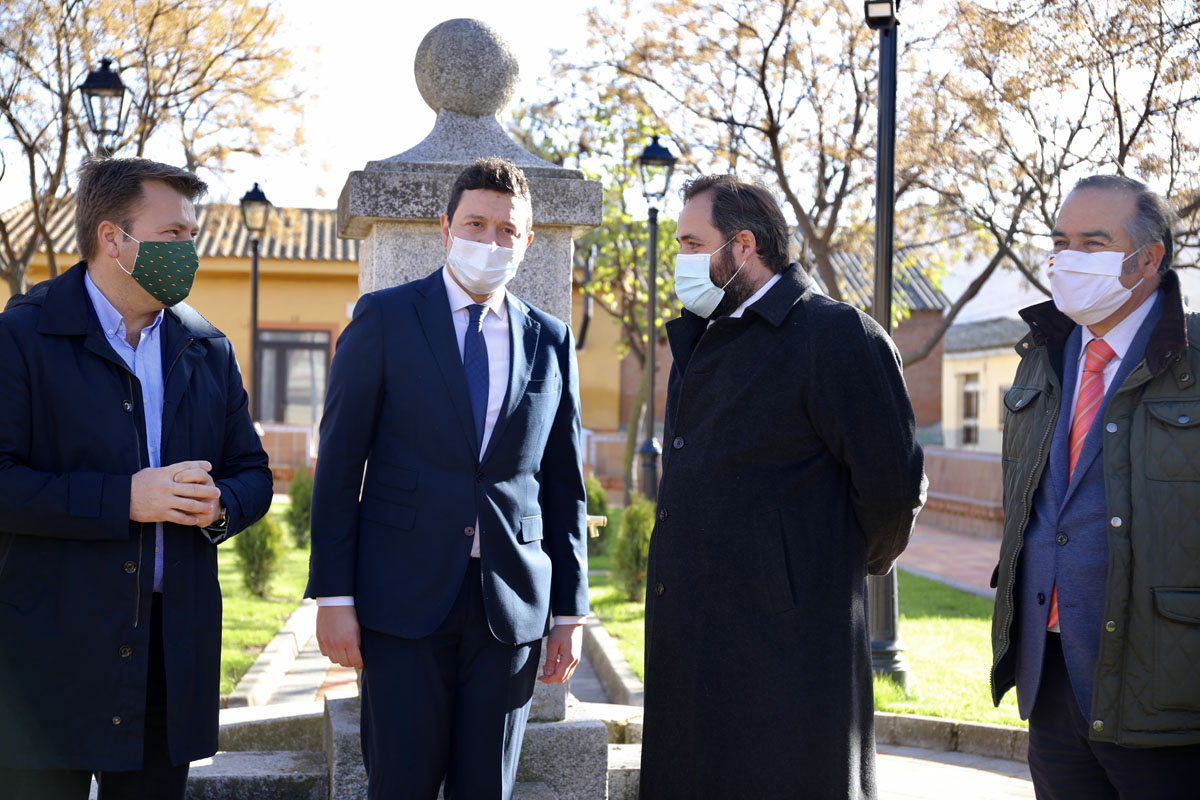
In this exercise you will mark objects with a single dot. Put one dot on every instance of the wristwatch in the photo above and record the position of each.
(221, 522)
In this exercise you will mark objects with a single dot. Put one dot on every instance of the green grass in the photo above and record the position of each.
(248, 622)
(608, 538)
(946, 634)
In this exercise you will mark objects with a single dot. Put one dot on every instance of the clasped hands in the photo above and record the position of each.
(183, 493)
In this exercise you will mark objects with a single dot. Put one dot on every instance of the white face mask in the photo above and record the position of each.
(1087, 286)
(693, 283)
(482, 268)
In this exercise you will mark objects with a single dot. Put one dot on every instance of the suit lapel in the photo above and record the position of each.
(438, 326)
(179, 360)
(523, 333)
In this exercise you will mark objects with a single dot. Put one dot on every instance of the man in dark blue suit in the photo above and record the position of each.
(1097, 619)
(448, 510)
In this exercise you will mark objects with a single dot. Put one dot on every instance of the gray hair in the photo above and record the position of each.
(1153, 220)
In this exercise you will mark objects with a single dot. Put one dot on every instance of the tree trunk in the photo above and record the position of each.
(637, 422)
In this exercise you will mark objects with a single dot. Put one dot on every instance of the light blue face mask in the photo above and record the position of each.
(693, 283)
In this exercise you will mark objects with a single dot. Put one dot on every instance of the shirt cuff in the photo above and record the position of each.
(341, 600)
(568, 620)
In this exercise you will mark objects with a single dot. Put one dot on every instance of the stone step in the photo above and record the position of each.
(279, 726)
(624, 771)
(252, 775)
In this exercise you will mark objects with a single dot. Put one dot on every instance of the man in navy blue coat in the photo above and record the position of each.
(126, 455)
(448, 510)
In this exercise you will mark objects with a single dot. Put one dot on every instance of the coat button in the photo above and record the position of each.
(116, 720)
(1115, 522)
(1098, 725)
(1110, 626)
(662, 515)
(1041, 599)
(128, 406)
(130, 567)
(125, 651)
(677, 443)
(659, 589)
(1111, 427)
(1183, 419)
(1061, 538)
(469, 531)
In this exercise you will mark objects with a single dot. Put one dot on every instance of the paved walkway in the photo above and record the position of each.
(964, 562)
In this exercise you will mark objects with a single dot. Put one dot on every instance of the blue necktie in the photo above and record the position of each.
(475, 362)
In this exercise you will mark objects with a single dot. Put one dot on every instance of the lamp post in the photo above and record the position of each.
(887, 651)
(104, 103)
(255, 207)
(655, 165)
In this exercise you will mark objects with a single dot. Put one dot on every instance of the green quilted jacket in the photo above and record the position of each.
(1147, 679)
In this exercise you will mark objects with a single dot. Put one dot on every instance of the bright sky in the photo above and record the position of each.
(355, 60)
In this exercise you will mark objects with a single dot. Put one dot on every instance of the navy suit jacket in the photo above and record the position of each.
(400, 484)
(1076, 511)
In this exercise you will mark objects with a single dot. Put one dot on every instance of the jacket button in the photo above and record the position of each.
(662, 515)
(1041, 599)
(125, 651)
(116, 720)
(1098, 725)
(1061, 538)
(1110, 626)
(677, 443)
(1183, 419)
(479, 478)
(1185, 377)
(659, 589)
(128, 406)
(469, 531)
(130, 567)
(1111, 427)
(1115, 522)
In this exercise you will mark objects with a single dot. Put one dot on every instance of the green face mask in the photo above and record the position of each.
(165, 269)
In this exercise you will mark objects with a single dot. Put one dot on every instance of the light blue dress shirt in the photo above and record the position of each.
(145, 362)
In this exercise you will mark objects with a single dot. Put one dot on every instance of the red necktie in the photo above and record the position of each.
(1091, 395)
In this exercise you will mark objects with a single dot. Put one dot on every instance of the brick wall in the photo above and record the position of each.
(924, 378)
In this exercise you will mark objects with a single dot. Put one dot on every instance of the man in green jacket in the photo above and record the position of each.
(1097, 618)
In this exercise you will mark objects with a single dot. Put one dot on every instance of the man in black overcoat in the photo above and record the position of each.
(126, 455)
(790, 471)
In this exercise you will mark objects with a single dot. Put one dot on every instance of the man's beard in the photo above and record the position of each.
(738, 290)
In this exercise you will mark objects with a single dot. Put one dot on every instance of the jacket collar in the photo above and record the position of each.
(1168, 340)
(776, 303)
(67, 310)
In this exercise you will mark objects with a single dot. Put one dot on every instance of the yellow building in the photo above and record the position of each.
(308, 284)
(977, 370)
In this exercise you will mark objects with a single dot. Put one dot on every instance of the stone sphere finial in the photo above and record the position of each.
(465, 65)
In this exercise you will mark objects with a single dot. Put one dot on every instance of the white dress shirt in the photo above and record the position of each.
(1119, 339)
(499, 348)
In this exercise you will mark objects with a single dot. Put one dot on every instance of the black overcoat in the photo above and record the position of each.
(76, 575)
(790, 467)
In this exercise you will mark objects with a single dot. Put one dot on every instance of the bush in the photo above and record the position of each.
(299, 511)
(633, 546)
(258, 550)
(597, 504)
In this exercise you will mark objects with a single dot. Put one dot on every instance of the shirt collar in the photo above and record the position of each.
(1121, 335)
(110, 319)
(459, 299)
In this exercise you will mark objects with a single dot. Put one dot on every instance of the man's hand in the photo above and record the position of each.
(563, 647)
(338, 635)
(156, 495)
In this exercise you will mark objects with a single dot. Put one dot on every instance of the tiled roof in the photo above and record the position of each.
(984, 335)
(911, 287)
(296, 234)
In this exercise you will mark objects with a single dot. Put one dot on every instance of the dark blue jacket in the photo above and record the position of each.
(397, 407)
(75, 573)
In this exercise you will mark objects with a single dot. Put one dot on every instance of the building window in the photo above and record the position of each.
(295, 370)
(970, 409)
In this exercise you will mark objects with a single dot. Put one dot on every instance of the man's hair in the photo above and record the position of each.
(1152, 221)
(739, 205)
(493, 173)
(110, 190)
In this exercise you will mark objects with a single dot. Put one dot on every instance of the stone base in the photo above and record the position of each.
(278, 775)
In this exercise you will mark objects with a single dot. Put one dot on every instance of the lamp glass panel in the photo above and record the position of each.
(255, 216)
(879, 10)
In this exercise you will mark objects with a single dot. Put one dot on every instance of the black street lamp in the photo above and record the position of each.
(104, 102)
(255, 208)
(887, 651)
(655, 165)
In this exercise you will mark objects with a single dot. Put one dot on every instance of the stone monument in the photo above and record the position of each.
(467, 73)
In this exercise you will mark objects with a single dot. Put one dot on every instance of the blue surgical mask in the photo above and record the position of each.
(693, 282)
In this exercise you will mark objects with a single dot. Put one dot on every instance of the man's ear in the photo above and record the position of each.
(445, 231)
(749, 244)
(108, 238)
(1153, 255)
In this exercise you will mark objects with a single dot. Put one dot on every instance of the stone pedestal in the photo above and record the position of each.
(467, 73)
